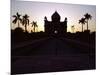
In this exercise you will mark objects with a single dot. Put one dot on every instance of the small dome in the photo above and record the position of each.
(55, 16)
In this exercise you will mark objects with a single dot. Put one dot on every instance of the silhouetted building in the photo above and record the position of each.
(55, 26)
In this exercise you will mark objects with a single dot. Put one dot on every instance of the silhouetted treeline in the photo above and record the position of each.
(19, 35)
(86, 36)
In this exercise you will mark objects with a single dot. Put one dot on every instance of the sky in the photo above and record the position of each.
(38, 10)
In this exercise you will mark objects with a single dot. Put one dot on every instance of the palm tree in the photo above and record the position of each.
(87, 17)
(25, 21)
(17, 19)
(72, 27)
(82, 21)
(34, 25)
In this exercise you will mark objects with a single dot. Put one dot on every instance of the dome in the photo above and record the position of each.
(55, 16)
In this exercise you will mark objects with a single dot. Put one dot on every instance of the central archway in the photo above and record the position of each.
(56, 32)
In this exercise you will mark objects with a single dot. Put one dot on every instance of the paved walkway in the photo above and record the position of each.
(52, 55)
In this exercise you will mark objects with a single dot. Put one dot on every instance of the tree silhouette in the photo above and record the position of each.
(82, 21)
(87, 17)
(72, 27)
(17, 19)
(34, 25)
(25, 21)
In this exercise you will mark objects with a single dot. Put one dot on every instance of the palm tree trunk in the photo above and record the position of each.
(82, 27)
(87, 24)
(34, 28)
(18, 23)
(25, 28)
(37, 29)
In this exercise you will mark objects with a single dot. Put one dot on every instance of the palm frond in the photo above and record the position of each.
(14, 16)
(18, 15)
(14, 21)
(82, 21)
(87, 16)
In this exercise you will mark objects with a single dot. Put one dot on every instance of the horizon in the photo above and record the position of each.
(73, 12)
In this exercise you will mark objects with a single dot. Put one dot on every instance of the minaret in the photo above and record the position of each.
(65, 23)
(45, 22)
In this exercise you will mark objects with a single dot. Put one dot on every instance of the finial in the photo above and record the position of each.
(45, 18)
(65, 18)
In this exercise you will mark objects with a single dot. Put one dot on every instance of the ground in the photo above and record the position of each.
(52, 54)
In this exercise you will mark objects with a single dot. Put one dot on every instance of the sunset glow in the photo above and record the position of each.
(38, 10)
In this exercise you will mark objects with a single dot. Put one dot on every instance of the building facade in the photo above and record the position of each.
(55, 27)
